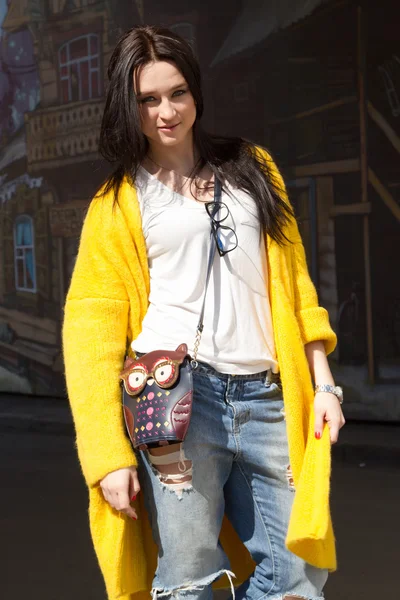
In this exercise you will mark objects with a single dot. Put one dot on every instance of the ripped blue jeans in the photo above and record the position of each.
(234, 460)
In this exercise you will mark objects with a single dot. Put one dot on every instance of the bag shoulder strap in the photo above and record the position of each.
(211, 255)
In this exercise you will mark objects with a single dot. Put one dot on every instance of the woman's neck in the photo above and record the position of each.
(180, 159)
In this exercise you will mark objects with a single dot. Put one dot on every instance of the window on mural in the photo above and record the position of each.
(79, 64)
(185, 30)
(25, 276)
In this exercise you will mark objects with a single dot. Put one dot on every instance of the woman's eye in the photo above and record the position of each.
(164, 373)
(147, 100)
(179, 92)
(136, 379)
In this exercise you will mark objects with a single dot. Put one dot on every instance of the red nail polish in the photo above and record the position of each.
(134, 518)
(133, 498)
(318, 435)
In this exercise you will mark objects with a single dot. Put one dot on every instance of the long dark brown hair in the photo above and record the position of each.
(123, 144)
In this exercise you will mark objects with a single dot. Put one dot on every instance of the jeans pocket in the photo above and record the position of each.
(273, 390)
(267, 404)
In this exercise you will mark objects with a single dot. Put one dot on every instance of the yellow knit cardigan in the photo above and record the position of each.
(106, 303)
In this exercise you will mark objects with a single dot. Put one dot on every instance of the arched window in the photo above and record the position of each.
(185, 30)
(79, 62)
(24, 254)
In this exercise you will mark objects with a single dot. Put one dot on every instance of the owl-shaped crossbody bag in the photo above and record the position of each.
(157, 387)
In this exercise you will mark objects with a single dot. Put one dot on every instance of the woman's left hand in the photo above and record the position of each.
(327, 408)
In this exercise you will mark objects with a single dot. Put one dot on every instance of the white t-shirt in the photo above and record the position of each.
(237, 336)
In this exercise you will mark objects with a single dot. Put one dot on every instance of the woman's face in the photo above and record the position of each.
(166, 104)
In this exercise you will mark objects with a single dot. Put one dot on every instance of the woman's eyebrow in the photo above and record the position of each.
(152, 93)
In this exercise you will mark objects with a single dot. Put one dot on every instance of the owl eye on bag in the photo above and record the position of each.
(136, 380)
(165, 373)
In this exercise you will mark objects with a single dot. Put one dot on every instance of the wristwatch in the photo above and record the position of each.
(332, 389)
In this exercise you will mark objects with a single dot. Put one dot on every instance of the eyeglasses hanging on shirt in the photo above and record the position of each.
(225, 237)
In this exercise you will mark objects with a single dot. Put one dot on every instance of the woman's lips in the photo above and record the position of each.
(170, 128)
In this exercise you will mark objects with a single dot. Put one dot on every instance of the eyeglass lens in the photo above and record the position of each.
(226, 238)
(218, 211)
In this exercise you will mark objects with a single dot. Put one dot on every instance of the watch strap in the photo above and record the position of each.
(331, 389)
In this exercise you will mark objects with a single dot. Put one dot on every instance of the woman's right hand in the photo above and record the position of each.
(120, 488)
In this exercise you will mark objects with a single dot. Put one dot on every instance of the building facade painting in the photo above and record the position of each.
(326, 106)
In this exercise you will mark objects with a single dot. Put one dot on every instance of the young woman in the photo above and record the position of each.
(258, 445)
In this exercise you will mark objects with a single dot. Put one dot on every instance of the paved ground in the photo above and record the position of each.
(46, 553)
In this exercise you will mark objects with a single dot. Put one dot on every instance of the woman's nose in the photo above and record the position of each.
(167, 111)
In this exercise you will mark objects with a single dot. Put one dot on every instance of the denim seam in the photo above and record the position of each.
(236, 437)
(235, 434)
(269, 536)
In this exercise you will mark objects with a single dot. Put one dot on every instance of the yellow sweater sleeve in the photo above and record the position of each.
(94, 341)
(313, 319)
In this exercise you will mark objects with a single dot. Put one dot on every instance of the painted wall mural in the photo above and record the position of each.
(19, 79)
(327, 106)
